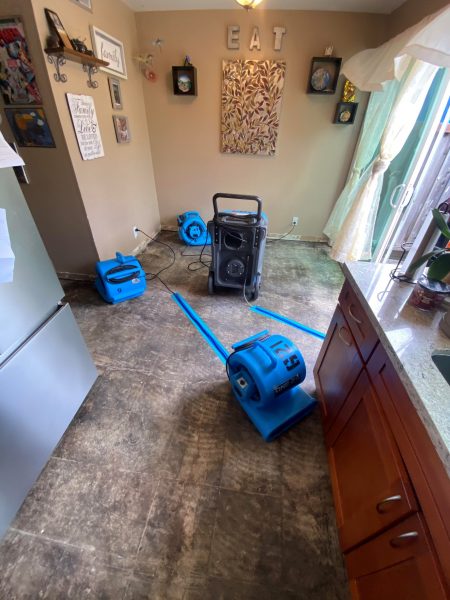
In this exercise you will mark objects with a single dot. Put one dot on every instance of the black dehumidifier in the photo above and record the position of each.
(238, 240)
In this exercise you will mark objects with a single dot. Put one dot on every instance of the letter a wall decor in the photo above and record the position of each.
(251, 105)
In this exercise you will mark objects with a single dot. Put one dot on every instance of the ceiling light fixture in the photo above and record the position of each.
(247, 4)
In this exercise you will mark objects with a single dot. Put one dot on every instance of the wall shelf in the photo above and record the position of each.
(59, 56)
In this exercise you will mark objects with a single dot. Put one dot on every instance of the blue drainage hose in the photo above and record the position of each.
(201, 327)
(273, 315)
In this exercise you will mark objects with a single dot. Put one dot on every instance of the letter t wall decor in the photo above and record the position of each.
(251, 105)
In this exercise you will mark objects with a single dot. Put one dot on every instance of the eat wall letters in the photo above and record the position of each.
(233, 41)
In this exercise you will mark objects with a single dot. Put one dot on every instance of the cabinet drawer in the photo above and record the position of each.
(400, 563)
(361, 328)
(371, 488)
(337, 368)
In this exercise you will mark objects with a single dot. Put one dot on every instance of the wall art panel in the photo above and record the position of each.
(251, 105)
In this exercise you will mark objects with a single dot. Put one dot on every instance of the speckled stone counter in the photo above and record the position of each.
(409, 336)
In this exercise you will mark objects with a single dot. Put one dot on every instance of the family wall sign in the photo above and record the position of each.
(233, 38)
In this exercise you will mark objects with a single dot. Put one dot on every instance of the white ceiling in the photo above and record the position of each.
(371, 6)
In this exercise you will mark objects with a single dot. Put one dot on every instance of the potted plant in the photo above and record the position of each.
(430, 289)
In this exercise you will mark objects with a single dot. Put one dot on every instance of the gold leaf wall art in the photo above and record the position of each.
(251, 105)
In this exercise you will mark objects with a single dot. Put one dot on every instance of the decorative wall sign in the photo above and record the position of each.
(17, 77)
(251, 105)
(84, 119)
(108, 48)
(233, 42)
(30, 127)
(122, 129)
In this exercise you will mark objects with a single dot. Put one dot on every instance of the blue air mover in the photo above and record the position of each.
(265, 372)
(192, 229)
(120, 278)
(238, 243)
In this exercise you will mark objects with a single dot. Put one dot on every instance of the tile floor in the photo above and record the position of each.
(161, 488)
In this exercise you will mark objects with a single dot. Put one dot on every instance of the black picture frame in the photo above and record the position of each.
(184, 81)
(345, 113)
(322, 65)
(57, 28)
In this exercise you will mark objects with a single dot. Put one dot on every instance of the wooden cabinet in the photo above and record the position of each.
(371, 487)
(360, 326)
(337, 368)
(399, 564)
(391, 491)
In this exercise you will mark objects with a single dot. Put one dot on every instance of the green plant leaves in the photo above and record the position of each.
(420, 261)
(441, 223)
(440, 267)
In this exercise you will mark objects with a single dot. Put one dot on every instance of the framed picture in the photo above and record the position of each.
(108, 48)
(57, 28)
(324, 73)
(87, 4)
(184, 81)
(85, 124)
(116, 94)
(17, 78)
(20, 172)
(122, 128)
(345, 113)
(30, 127)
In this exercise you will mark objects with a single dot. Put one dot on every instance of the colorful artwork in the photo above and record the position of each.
(17, 77)
(30, 127)
(251, 105)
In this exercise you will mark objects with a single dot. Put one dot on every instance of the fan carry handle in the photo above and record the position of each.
(238, 197)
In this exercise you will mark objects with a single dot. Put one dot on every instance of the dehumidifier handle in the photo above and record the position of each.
(238, 197)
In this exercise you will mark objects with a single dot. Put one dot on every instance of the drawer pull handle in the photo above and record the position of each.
(380, 505)
(346, 342)
(353, 316)
(404, 538)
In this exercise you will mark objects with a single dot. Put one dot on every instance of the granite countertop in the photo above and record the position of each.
(409, 336)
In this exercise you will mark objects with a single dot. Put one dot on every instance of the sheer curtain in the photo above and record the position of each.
(354, 240)
(375, 120)
(415, 56)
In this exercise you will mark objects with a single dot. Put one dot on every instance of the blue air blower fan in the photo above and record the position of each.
(120, 278)
(192, 229)
(265, 372)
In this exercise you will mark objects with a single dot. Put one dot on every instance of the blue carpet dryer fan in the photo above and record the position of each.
(265, 372)
(192, 229)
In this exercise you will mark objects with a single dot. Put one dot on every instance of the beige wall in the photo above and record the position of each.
(411, 12)
(313, 155)
(53, 195)
(118, 190)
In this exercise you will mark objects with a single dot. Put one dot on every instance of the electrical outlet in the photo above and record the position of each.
(294, 221)
(135, 230)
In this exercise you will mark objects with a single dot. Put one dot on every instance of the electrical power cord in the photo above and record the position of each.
(148, 275)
